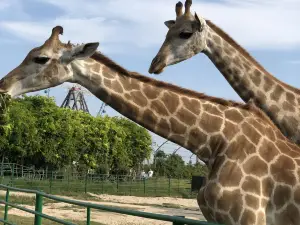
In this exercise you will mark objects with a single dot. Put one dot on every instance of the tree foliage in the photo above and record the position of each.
(173, 165)
(46, 136)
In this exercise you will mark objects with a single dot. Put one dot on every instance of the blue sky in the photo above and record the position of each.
(131, 32)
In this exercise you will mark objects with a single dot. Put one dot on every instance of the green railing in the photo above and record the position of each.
(38, 212)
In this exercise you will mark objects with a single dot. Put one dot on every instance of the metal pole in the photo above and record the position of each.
(50, 182)
(175, 223)
(6, 206)
(88, 216)
(117, 183)
(38, 208)
(144, 186)
(154, 158)
(85, 183)
(169, 186)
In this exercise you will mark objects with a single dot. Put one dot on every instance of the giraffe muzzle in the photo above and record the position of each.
(157, 66)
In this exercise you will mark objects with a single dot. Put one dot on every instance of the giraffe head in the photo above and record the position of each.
(46, 66)
(186, 37)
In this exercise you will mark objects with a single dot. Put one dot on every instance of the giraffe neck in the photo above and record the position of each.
(197, 122)
(252, 82)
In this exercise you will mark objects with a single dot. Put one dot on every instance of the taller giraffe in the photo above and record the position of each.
(253, 169)
(190, 34)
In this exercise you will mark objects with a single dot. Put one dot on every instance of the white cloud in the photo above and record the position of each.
(254, 24)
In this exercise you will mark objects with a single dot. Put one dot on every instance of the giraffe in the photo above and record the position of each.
(253, 168)
(190, 34)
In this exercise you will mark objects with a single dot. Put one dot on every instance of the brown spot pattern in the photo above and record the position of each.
(232, 170)
(282, 194)
(186, 116)
(267, 187)
(297, 195)
(171, 101)
(210, 123)
(237, 207)
(234, 115)
(196, 137)
(278, 91)
(288, 107)
(268, 150)
(96, 68)
(248, 217)
(139, 99)
(290, 97)
(159, 108)
(251, 133)
(283, 175)
(268, 83)
(150, 92)
(164, 126)
(252, 201)
(230, 130)
(256, 77)
(255, 166)
(192, 104)
(177, 127)
(251, 184)
(212, 109)
(106, 72)
(116, 86)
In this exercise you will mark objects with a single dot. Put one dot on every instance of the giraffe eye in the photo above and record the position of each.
(41, 60)
(185, 35)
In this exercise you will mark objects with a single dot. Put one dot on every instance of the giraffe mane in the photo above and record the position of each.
(246, 54)
(99, 57)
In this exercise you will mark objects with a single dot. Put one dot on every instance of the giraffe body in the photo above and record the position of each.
(253, 168)
(190, 35)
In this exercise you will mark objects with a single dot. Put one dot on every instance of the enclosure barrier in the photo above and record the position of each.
(38, 212)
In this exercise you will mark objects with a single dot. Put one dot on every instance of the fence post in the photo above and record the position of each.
(88, 216)
(12, 174)
(68, 182)
(117, 183)
(38, 208)
(175, 223)
(130, 187)
(6, 206)
(50, 182)
(144, 186)
(155, 187)
(169, 186)
(85, 182)
(102, 184)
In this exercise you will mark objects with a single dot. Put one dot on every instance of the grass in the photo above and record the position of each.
(155, 187)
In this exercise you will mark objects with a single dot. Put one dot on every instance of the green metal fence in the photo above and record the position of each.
(38, 212)
(65, 183)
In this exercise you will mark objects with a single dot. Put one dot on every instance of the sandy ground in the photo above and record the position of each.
(161, 205)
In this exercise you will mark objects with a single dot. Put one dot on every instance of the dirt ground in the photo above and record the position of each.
(161, 205)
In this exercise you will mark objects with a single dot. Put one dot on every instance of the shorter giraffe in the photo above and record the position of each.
(189, 35)
(253, 169)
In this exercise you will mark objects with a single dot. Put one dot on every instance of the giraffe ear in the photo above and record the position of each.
(79, 52)
(84, 50)
(169, 23)
(198, 25)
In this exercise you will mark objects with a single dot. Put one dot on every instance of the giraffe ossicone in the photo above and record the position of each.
(253, 169)
(191, 34)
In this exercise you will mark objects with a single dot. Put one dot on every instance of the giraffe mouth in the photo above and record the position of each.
(157, 68)
(159, 71)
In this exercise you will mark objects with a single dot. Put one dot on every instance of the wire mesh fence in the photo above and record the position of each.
(78, 183)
